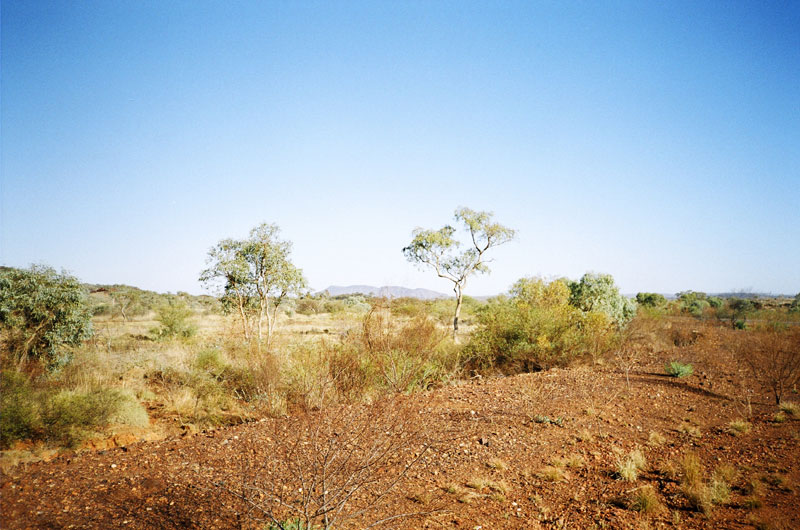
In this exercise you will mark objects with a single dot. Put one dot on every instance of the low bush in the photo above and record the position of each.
(678, 369)
(772, 353)
(537, 328)
(403, 355)
(19, 409)
(651, 300)
(174, 318)
(60, 417)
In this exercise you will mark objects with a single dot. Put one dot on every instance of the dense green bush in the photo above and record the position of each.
(174, 318)
(597, 293)
(696, 303)
(60, 417)
(740, 308)
(19, 412)
(651, 299)
(42, 313)
(537, 328)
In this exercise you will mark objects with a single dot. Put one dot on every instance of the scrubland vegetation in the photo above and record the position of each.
(87, 362)
(77, 359)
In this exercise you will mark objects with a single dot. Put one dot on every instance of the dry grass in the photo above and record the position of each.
(574, 462)
(645, 500)
(655, 439)
(553, 474)
(790, 407)
(691, 430)
(693, 485)
(726, 472)
(584, 436)
(629, 467)
(738, 427)
(497, 464)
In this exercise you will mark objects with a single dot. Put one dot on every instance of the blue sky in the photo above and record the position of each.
(655, 141)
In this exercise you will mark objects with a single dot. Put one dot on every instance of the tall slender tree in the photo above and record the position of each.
(440, 250)
(256, 275)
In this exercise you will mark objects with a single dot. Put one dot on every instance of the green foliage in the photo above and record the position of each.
(716, 302)
(64, 417)
(69, 416)
(42, 313)
(795, 307)
(439, 250)
(651, 300)
(597, 293)
(255, 275)
(677, 369)
(19, 415)
(693, 302)
(740, 307)
(687, 297)
(127, 302)
(174, 319)
(210, 361)
(537, 328)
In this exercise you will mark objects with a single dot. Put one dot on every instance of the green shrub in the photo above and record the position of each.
(64, 417)
(174, 319)
(403, 356)
(651, 300)
(537, 328)
(677, 369)
(69, 416)
(598, 293)
(42, 313)
(210, 360)
(19, 410)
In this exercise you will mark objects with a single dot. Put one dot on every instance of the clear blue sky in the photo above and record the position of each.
(655, 141)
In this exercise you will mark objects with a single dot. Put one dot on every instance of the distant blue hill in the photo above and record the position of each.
(389, 291)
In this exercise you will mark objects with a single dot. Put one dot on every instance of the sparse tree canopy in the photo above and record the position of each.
(439, 250)
(42, 312)
(256, 276)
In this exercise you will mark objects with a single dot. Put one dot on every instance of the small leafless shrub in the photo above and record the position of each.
(773, 356)
(333, 468)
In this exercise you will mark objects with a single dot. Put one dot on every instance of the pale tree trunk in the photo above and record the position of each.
(262, 309)
(244, 319)
(271, 316)
(459, 298)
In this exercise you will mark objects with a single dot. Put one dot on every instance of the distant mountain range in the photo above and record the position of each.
(389, 291)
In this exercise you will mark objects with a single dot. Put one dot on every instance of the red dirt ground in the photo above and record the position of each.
(490, 430)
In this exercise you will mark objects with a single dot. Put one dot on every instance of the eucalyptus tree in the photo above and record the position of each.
(440, 250)
(256, 275)
(42, 314)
